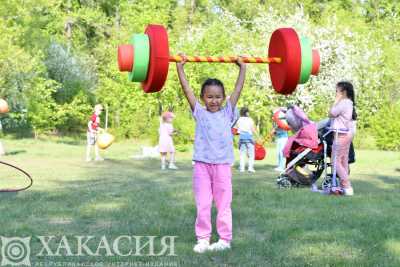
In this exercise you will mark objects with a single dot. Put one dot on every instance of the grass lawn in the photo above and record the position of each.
(122, 196)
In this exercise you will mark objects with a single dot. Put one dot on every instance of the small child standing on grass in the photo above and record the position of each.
(165, 143)
(213, 156)
(246, 129)
(281, 138)
(92, 133)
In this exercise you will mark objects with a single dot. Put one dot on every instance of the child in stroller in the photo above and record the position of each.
(308, 153)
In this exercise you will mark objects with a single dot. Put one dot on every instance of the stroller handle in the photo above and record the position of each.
(336, 130)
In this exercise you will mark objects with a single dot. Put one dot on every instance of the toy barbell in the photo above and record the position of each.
(291, 59)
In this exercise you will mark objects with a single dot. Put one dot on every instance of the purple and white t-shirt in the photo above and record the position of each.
(213, 141)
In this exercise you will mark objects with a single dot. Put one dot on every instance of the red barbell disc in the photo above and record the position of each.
(316, 61)
(280, 120)
(285, 44)
(159, 58)
(125, 57)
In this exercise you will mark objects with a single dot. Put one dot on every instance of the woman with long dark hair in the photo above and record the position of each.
(343, 116)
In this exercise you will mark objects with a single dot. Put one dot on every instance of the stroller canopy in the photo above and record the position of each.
(296, 118)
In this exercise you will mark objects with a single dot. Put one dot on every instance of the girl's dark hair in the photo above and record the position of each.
(349, 89)
(244, 112)
(212, 81)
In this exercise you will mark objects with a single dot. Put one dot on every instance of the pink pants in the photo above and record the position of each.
(213, 182)
(342, 158)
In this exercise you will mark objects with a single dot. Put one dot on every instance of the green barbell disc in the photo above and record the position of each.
(306, 60)
(141, 50)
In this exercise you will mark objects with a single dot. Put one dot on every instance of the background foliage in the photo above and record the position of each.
(58, 58)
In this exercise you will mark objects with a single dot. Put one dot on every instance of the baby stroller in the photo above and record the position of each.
(308, 153)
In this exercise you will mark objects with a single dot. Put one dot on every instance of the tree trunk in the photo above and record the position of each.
(116, 118)
(2, 151)
(191, 12)
(68, 27)
(106, 126)
(117, 19)
(160, 107)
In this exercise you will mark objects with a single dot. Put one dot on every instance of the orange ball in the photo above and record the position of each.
(3, 106)
(259, 152)
(105, 140)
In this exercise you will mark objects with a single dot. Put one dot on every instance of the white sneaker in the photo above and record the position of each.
(252, 170)
(201, 246)
(99, 159)
(241, 170)
(348, 191)
(172, 166)
(277, 169)
(219, 246)
(88, 159)
(314, 188)
(162, 167)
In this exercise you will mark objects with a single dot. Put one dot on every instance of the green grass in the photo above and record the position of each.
(272, 227)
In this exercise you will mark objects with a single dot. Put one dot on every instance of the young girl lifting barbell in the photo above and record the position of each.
(213, 156)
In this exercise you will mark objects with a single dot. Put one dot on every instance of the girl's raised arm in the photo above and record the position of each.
(239, 82)
(185, 84)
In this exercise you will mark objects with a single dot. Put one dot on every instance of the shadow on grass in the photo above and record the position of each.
(9, 195)
(271, 227)
(72, 142)
(390, 179)
(15, 152)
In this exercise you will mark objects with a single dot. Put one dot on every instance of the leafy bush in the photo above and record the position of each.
(365, 139)
(73, 73)
(184, 124)
(42, 108)
(73, 117)
(386, 127)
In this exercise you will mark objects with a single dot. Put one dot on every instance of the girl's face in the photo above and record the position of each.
(168, 120)
(340, 93)
(213, 97)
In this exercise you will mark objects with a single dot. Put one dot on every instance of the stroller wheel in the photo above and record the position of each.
(283, 182)
(327, 183)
